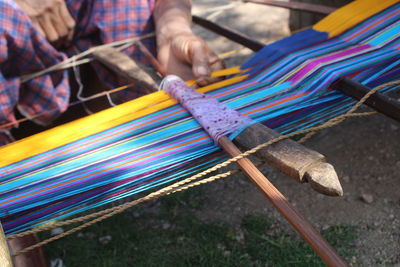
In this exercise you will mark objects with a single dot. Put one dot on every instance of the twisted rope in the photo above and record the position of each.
(351, 113)
(113, 211)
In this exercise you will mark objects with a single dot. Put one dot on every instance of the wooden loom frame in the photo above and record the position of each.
(379, 102)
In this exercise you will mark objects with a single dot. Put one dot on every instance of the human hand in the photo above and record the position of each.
(188, 56)
(51, 18)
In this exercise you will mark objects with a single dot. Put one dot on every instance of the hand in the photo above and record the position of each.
(51, 18)
(188, 56)
(179, 50)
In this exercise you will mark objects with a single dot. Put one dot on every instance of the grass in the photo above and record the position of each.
(175, 237)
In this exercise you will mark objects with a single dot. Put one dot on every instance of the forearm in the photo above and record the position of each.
(172, 17)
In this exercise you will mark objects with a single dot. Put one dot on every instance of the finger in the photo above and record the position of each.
(68, 20)
(215, 63)
(207, 80)
(37, 26)
(66, 16)
(199, 52)
(173, 64)
(67, 41)
(180, 47)
(48, 28)
(202, 82)
(58, 23)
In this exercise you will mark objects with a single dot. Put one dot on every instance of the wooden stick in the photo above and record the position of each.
(153, 61)
(301, 225)
(5, 257)
(377, 101)
(228, 33)
(35, 257)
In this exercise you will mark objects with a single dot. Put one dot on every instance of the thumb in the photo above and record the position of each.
(199, 57)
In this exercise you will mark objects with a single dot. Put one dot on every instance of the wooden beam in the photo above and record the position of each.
(293, 159)
(199, 105)
(377, 101)
(127, 68)
(33, 258)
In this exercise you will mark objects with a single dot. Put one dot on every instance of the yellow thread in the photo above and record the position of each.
(350, 15)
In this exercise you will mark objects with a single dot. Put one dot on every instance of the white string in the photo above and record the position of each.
(80, 58)
(110, 101)
(78, 80)
(79, 95)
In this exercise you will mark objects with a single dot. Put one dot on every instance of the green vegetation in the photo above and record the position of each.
(174, 236)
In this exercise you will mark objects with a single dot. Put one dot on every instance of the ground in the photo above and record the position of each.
(365, 153)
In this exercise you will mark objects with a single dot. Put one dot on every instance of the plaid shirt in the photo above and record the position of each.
(23, 51)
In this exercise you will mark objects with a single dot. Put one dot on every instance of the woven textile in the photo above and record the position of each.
(151, 141)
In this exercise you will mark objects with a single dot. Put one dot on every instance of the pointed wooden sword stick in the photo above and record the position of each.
(291, 158)
(218, 120)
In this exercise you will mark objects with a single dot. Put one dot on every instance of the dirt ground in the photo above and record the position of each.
(365, 153)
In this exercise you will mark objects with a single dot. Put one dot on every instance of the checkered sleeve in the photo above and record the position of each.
(23, 51)
(105, 21)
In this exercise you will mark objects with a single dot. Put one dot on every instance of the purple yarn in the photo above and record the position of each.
(216, 118)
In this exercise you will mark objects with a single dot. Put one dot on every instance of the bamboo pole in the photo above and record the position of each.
(377, 101)
(301, 225)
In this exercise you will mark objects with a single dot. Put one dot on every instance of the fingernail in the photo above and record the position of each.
(202, 71)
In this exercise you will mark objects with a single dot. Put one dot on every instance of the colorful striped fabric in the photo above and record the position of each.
(151, 141)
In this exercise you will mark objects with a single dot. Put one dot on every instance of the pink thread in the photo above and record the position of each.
(216, 118)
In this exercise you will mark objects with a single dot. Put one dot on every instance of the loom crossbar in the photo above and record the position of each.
(228, 33)
(129, 69)
(377, 101)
